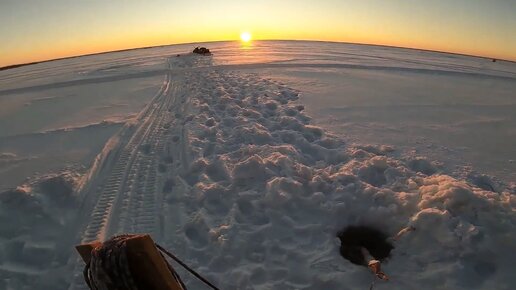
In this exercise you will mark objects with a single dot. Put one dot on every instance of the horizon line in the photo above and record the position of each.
(17, 65)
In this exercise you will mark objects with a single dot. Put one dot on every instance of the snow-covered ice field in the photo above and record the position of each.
(247, 163)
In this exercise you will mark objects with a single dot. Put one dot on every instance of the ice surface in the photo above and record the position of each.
(234, 167)
(453, 109)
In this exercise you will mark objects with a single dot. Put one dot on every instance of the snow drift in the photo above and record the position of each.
(267, 193)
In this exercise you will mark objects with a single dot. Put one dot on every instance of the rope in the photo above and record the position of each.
(174, 273)
(197, 275)
(109, 269)
(375, 267)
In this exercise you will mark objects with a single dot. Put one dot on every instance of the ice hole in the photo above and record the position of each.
(356, 238)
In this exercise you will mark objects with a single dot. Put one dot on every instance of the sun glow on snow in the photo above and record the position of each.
(245, 36)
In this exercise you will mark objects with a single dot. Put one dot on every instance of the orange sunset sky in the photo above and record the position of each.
(33, 30)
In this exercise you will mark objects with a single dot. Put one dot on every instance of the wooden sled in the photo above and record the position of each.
(146, 263)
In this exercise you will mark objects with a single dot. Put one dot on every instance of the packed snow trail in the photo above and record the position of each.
(127, 201)
(130, 200)
(225, 169)
(131, 172)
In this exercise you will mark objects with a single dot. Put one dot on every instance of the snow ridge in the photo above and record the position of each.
(265, 193)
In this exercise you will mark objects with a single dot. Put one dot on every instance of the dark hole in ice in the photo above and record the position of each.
(354, 238)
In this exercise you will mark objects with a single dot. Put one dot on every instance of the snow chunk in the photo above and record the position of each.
(420, 164)
(254, 134)
(444, 192)
(250, 170)
(281, 190)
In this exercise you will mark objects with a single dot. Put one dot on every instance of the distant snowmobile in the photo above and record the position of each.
(202, 50)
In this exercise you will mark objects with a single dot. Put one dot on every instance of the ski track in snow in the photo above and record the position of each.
(224, 169)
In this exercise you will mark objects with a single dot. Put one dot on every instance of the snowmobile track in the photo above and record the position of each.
(129, 200)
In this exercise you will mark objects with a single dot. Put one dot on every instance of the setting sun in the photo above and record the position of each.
(245, 36)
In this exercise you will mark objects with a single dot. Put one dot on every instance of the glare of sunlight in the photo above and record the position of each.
(245, 36)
